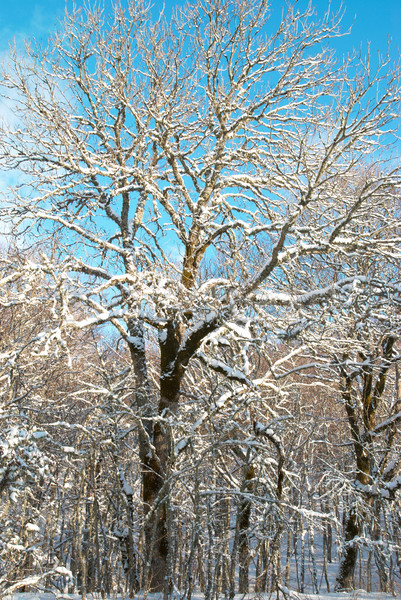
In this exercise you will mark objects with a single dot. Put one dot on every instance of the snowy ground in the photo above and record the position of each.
(355, 595)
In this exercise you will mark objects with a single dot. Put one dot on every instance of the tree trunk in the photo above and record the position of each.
(345, 577)
(157, 464)
(155, 438)
(154, 493)
(244, 518)
(151, 440)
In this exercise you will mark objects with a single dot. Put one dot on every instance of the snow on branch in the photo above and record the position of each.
(219, 366)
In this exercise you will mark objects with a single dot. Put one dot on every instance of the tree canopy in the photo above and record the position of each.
(220, 194)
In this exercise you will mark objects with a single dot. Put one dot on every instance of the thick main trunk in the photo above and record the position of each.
(155, 440)
(155, 493)
(153, 467)
(157, 466)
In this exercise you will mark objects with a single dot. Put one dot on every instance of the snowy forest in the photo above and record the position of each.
(200, 299)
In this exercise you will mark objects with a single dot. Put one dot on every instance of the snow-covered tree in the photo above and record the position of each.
(158, 150)
(47, 435)
(355, 353)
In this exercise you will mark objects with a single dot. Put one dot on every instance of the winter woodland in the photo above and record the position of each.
(200, 301)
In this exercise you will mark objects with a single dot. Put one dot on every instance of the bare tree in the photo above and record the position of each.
(357, 350)
(153, 148)
(367, 368)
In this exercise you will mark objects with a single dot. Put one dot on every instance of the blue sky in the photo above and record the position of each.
(375, 20)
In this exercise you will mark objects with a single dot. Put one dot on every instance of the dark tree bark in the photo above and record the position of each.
(156, 448)
(244, 519)
(345, 577)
